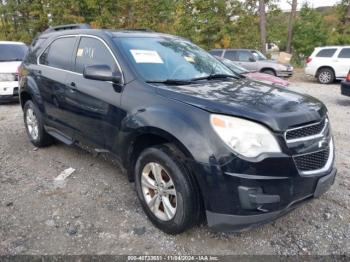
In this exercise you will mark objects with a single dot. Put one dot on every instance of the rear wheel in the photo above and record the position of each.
(34, 125)
(325, 76)
(166, 191)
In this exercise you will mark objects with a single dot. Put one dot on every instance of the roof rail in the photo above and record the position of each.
(66, 27)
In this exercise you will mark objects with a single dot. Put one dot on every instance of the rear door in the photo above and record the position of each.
(96, 113)
(54, 63)
(325, 57)
(342, 62)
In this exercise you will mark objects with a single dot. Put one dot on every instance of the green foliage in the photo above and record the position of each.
(309, 31)
(209, 23)
(277, 28)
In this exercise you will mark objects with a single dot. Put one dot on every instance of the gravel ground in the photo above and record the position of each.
(96, 210)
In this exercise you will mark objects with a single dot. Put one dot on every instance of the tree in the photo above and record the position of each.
(347, 18)
(309, 32)
(262, 26)
(290, 25)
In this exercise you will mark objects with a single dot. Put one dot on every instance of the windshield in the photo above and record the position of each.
(10, 52)
(160, 59)
(258, 55)
(234, 67)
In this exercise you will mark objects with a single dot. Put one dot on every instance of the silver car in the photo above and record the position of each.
(253, 60)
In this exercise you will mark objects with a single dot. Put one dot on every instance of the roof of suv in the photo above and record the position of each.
(332, 46)
(111, 33)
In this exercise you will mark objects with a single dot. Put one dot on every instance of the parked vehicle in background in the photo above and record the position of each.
(328, 63)
(345, 86)
(197, 139)
(254, 60)
(254, 75)
(11, 56)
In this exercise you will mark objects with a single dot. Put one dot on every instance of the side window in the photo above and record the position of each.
(230, 55)
(216, 52)
(92, 51)
(329, 52)
(344, 53)
(59, 53)
(244, 56)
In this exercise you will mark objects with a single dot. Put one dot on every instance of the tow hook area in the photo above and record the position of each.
(254, 198)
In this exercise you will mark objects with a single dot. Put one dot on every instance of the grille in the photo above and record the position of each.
(312, 161)
(306, 131)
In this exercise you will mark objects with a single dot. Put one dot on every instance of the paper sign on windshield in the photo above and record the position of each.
(146, 56)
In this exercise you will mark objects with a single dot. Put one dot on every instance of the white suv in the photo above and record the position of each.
(11, 56)
(329, 63)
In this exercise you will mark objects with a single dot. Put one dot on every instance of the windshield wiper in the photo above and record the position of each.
(214, 76)
(170, 82)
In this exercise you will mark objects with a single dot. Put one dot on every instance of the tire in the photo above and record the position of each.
(269, 72)
(34, 126)
(183, 196)
(325, 76)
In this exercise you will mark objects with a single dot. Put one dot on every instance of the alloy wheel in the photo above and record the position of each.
(159, 191)
(32, 124)
(325, 77)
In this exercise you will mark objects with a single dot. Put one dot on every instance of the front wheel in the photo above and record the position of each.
(269, 72)
(166, 190)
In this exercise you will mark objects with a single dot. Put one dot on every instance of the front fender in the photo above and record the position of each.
(187, 128)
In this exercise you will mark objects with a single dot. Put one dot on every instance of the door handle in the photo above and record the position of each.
(72, 88)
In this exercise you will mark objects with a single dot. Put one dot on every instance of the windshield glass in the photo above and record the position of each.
(234, 67)
(10, 52)
(258, 55)
(160, 59)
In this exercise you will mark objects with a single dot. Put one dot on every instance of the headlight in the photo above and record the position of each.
(244, 137)
(7, 77)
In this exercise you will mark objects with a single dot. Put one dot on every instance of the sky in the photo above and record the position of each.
(314, 3)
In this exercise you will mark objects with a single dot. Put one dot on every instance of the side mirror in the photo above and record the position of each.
(102, 73)
(252, 59)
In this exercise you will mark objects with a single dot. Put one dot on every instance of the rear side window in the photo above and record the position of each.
(216, 53)
(59, 53)
(12, 52)
(92, 51)
(244, 56)
(231, 55)
(329, 52)
(344, 53)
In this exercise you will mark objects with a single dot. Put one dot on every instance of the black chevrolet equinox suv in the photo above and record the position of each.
(198, 141)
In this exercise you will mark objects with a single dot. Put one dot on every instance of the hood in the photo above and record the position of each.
(267, 79)
(9, 67)
(276, 107)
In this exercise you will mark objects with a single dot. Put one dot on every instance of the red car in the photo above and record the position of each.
(254, 75)
(345, 86)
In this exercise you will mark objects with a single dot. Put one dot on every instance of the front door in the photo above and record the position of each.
(97, 113)
(246, 59)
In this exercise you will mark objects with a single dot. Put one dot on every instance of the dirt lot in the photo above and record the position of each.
(96, 211)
